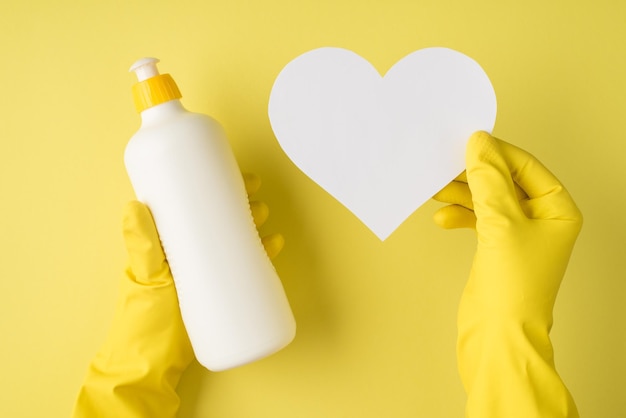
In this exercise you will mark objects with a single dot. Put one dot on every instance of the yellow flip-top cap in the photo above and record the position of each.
(152, 88)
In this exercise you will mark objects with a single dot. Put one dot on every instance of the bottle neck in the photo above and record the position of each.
(161, 111)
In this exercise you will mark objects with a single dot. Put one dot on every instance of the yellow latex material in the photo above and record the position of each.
(526, 224)
(155, 90)
(136, 371)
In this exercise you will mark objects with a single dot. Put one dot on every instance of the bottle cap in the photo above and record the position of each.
(152, 88)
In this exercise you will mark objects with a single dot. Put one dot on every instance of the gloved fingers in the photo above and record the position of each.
(456, 193)
(260, 212)
(252, 183)
(519, 192)
(273, 244)
(528, 172)
(147, 260)
(557, 206)
(462, 177)
(455, 216)
(548, 198)
(459, 213)
(489, 178)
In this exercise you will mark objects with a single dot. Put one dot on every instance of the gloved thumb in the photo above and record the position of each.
(147, 262)
(489, 178)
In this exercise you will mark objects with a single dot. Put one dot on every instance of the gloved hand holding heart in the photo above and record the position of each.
(381, 145)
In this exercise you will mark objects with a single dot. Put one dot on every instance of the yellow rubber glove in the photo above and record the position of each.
(136, 371)
(526, 225)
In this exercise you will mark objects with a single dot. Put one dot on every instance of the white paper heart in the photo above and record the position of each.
(382, 146)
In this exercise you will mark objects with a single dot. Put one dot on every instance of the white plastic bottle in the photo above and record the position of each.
(181, 166)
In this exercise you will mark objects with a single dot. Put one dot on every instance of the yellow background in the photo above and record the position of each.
(376, 321)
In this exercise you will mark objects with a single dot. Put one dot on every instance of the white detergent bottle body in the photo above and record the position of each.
(231, 299)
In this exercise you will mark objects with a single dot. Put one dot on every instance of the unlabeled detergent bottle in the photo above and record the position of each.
(181, 166)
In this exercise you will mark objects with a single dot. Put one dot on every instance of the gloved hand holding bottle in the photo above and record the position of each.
(526, 224)
(136, 371)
